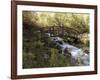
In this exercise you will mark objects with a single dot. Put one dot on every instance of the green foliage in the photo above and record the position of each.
(64, 60)
(54, 57)
(28, 60)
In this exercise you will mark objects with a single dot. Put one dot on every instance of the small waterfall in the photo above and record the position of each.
(79, 57)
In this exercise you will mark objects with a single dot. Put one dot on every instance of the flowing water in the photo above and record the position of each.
(79, 57)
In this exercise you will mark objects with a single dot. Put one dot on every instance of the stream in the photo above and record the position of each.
(79, 57)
